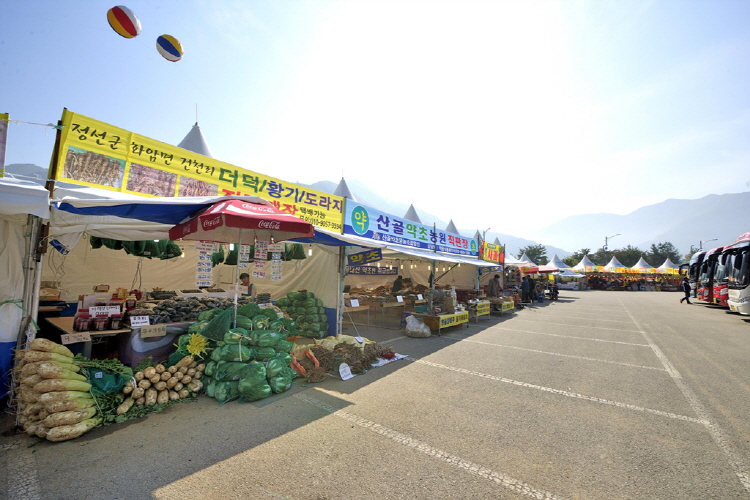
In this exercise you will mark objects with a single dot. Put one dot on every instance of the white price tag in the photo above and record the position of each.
(205, 246)
(74, 338)
(355, 303)
(419, 296)
(108, 310)
(399, 298)
(359, 339)
(345, 371)
(139, 321)
(238, 289)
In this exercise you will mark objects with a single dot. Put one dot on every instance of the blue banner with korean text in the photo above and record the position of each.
(367, 222)
(372, 270)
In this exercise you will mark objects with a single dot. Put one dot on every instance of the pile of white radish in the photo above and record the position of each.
(54, 401)
(159, 385)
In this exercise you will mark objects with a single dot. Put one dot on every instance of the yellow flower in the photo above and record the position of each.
(197, 345)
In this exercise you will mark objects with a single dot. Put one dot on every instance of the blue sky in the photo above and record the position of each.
(499, 114)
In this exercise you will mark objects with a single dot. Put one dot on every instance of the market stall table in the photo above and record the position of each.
(66, 325)
(351, 309)
(444, 320)
(480, 308)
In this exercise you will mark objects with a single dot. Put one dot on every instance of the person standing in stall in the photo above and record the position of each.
(245, 281)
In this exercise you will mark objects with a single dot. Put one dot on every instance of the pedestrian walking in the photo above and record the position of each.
(686, 288)
(524, 290)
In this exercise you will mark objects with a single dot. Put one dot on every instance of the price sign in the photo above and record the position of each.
(419, 296)
(276, 247)
(355, 303)
(153, 331)
(74, 338)
(345, 371)
(136, 321)
(205, 246)
(108, 310)
(238, 289)
(399, 298)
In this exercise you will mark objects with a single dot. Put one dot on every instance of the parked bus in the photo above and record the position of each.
(692, 270)
(721, 292)
(737, 266)
(705, 281)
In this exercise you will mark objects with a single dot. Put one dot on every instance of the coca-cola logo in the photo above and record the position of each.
(269, 224)
(212, 222)
(269, 209)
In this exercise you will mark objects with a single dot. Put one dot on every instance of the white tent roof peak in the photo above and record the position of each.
(668, 264)
(411, 215)
(641, 264)
(525, 258)
(477, 235)
(585, 261)
(497, 241)
(557, 262)
(195, 142)
(343, 190)
(613, 262)
(451, 228)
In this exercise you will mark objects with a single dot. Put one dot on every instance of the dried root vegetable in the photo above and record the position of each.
(65, 432)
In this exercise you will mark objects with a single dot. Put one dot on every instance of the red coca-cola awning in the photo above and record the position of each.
(234, 221)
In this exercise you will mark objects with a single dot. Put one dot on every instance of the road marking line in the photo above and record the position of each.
(559, 354)
(561, 392)
(740, 468)
(571, 337)
(546, 323)
(557, 316)
(422, 447)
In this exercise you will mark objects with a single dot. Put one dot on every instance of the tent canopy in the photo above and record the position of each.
(613, 262)
(23, 197)
(641, 264)
(557, 262)
(585, 261)
(668, 264)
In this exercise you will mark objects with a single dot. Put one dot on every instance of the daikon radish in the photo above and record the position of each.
(49, 346)
(48, 369)
(59, 384)
(68, 417)
(65, 432)
(68, 405)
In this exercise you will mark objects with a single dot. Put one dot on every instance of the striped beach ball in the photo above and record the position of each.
(169, 47)
(123, 21)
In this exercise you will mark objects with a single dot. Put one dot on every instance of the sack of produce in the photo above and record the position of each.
(233, 352)
(225, 392)
(265, 353)
(283, 381)
(275, 366)
(218, 326)
(417, 328)
(284, 346)
(249, 310)
(265, 338)
(228, 370)
(237, 336)
(252, 384)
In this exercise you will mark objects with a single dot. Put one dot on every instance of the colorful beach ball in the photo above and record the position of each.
(123, 21)
(169, 47)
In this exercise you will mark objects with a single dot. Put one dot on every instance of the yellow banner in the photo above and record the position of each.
(483, 308)
(453, 319)
(98, 154)
(492, 252)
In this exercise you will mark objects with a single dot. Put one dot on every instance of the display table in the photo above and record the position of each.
(65, 324)
(348, 310)
(386, 305)
(481, 308)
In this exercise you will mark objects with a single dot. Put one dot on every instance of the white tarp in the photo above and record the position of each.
(585, 261)
(557, 262)
(641, 264)
(17, 200)
(668, 264)
(613, 262)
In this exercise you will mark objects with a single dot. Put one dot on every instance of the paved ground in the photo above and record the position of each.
(602, 395)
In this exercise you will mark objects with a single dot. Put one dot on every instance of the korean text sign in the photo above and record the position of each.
(98, 154)
(367, 257)
(371, 223)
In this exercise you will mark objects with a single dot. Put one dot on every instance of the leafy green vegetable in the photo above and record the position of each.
(218, 326)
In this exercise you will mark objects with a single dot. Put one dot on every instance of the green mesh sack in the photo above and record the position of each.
(112, 244)
(228, 370)
(225, 392)
(231, 259)
(151, 249)
(95, 242)
(171, 250)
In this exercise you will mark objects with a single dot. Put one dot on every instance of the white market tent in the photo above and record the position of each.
(20, 203)
(557, 262)
(525, 258)
(613, 262)
(641, 264)
(668, 264)
(568, 273)
(585, 261)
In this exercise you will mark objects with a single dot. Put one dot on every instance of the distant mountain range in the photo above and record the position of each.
(683, 223)
(714, 219)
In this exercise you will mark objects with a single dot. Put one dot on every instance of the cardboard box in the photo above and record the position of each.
(49, 293)
(101, 288)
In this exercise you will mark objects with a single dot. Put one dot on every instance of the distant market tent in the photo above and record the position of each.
(614, 264)
(195, 142)
(583, 264)
(557, 262)
(668, 264)
(641, 264)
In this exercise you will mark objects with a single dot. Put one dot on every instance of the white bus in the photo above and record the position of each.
(737, 267)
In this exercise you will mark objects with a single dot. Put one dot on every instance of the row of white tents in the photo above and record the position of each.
(586, 264)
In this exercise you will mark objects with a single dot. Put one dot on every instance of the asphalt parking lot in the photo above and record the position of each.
(601, 395)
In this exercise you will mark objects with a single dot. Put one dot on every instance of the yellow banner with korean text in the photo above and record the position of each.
(97, 154)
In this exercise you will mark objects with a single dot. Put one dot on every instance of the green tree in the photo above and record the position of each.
(537, 253)
(629, 255)
(660, 252)
(600, 257)
(576, 257)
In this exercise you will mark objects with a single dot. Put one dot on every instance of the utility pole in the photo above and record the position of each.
(606, 242)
